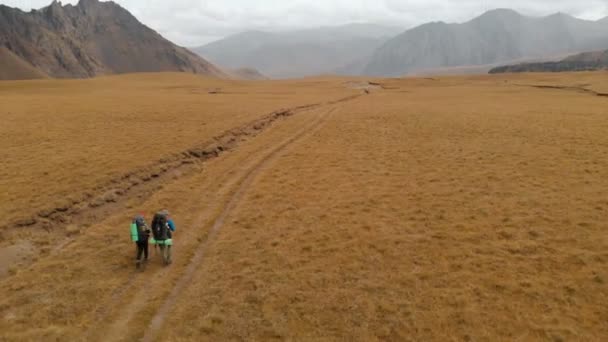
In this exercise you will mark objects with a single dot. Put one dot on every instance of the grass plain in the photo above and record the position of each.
(452, 208)
(63, 138)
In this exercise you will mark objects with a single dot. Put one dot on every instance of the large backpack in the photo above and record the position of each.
(140, 222)
(159, 227)
(139, 229)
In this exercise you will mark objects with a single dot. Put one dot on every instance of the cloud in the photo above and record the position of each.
(195, 22)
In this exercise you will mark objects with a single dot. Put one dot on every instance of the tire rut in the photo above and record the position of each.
(234, 181)
(127, 312)
(95, 203)
(157, 321)
(99, 203)
(577, 89)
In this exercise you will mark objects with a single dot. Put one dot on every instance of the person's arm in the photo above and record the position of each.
(171, 225)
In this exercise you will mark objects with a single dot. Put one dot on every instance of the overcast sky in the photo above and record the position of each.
(196, 22)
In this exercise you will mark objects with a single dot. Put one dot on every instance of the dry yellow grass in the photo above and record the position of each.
(61, 139)
(465, 208)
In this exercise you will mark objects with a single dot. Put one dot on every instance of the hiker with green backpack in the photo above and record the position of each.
(140, 233)
(162, 229)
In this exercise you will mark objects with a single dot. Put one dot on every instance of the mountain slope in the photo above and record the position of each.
(247, 74)
(496, 36)
(12, 67)
(92, 38)
(586, 61)
(590, 57)
(298, 53)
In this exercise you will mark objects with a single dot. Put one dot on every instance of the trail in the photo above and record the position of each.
(232, 188)
(577, 89)
(159, 318)
(141, 182)
(125, 313)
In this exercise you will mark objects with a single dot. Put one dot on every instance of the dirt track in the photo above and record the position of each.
(122, 308)
(245, 182)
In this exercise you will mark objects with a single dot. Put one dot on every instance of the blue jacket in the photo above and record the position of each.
(171, 225)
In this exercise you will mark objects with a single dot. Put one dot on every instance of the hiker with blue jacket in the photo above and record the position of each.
(162, 230)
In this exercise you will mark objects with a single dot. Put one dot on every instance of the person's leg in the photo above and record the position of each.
(163, 249)
(145, 245)
(139, 251)
(169, 254)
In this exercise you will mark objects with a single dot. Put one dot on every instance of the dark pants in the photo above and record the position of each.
(142, 247)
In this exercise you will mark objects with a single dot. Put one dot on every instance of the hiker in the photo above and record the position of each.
(140, 234)
(162, 229)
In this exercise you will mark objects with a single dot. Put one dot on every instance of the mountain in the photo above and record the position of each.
(589, 57)
(89, 39)
(12, 67)
(494, 37)
(299, 53)
(586, 61)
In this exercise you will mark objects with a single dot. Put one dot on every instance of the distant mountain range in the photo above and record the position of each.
(495, 37)
(587, 61)
(340, 49)
(498, 36)
(99, 38)
(89, 39)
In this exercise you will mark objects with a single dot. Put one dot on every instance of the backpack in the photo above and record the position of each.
(159, 227)
(139, 229)
(140, 222)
